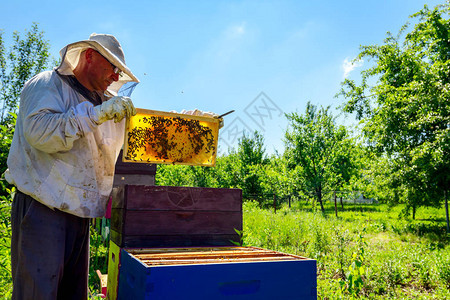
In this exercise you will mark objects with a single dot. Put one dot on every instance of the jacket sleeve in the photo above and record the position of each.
(51, 120)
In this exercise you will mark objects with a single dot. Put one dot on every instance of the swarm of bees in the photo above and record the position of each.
(170, 139)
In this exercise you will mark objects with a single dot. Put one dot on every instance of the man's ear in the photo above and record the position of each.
(88, 55)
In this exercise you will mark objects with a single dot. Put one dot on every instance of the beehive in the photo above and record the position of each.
(215, 273)
(180, 243)
(171, 138)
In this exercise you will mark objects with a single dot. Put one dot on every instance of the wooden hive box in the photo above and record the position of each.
(179, 243)
(214, 273)
(167, 216)
(132, 173)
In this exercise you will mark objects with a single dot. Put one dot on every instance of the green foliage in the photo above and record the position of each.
(281, 180)
(321, 148)
(252, 159)
(359, 255)
(6, 135)
(98, 261)
(27, 57)
(354, 277)
(341, 240)
(406, 110)
(243, 168)
(5, 243)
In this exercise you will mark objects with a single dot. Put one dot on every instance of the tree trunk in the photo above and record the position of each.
(446, 210)
(274, 203)
(414, 212)
(335, 204)
(319, 197)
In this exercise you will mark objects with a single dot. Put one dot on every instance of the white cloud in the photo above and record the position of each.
(348, 65)
(235, 31)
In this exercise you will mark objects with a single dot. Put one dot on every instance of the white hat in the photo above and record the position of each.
(108, 46)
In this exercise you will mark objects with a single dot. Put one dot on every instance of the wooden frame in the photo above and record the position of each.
(171, 138)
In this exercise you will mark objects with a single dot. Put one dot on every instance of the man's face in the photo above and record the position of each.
(101, 72)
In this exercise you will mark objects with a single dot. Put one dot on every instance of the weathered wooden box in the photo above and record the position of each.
(132, 173)
(167, 216)
(179, 243)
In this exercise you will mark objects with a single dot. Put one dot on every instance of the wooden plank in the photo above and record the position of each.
(215, 261)
(183, 240)
(117, 219)
(189, 249)
(209, 255)
(206, 250)
(181, 222)
(117, 238)
(170, 114)
(118, 197)
(141, 197)
(137, 179)
(127, 168)
(103, 278)
(113, 270)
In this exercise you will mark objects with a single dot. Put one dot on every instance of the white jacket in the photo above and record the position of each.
(59, 155)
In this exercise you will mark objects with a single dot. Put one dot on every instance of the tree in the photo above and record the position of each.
(251, 156)
(226, 174)
(227, 171)
(404, 101)
(281, 180)
(314, 142)
(26, 57)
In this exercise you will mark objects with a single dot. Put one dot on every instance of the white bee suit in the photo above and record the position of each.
(60, 156)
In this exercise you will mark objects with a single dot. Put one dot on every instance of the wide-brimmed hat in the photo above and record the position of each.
(108, 46)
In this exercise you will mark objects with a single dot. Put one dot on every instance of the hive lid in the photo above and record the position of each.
(170, 138)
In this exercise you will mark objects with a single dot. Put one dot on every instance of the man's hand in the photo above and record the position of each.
(115, 108)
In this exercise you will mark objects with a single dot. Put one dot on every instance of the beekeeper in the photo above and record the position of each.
(67, 138)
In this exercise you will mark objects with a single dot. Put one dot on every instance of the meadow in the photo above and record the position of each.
(367, 252)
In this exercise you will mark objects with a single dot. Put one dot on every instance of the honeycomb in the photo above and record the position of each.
(171, 138)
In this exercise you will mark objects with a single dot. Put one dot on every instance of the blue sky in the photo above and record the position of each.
(259, 58)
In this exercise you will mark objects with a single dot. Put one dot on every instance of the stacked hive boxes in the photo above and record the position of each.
(179, 243)
(183, 242)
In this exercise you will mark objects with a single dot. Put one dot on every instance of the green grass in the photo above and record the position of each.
(392, 257)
